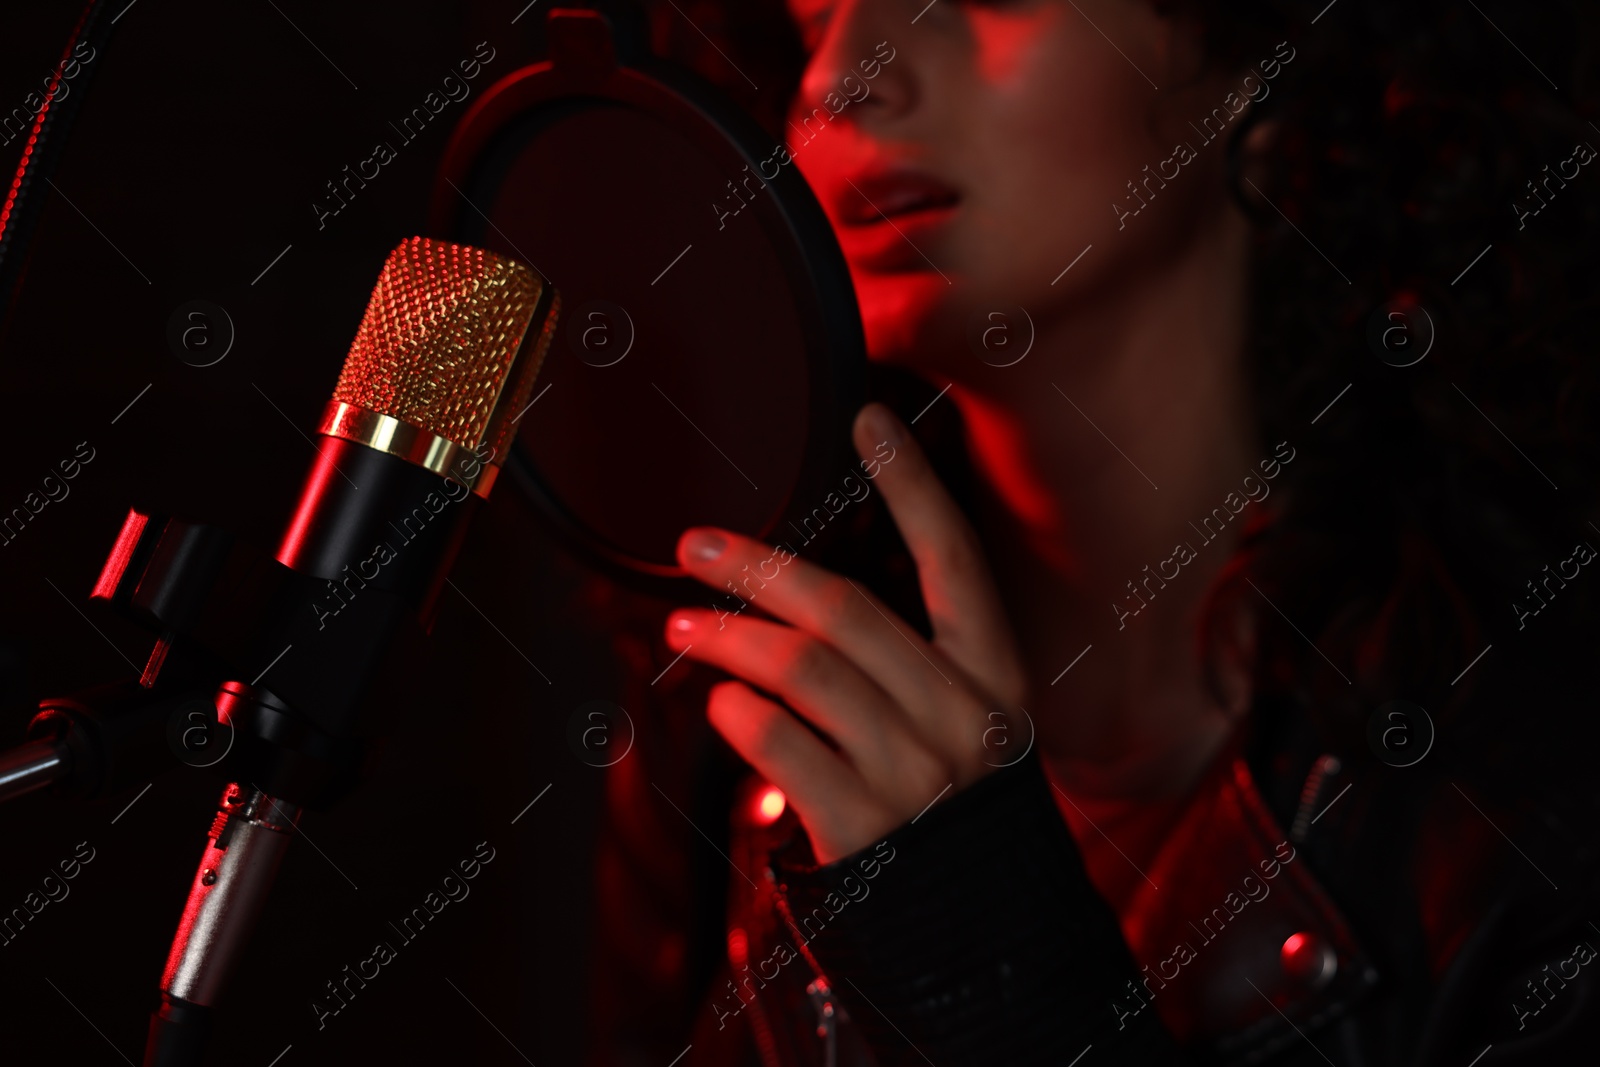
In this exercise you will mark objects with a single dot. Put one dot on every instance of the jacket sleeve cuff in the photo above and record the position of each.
(973, 935)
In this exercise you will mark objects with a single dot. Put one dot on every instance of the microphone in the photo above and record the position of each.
(424, 412)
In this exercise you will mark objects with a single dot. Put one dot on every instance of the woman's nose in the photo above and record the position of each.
(858, 59)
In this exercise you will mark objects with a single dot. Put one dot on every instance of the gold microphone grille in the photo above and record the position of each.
(440, 339)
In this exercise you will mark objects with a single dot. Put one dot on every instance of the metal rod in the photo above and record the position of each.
(31, 766)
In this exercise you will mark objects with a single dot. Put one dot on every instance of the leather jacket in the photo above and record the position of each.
(1314, 908)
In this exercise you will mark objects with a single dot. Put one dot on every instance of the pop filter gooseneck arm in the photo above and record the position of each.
(19, 214)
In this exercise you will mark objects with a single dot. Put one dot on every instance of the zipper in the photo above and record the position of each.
(827, 1020)
(1324, 768)
(819, 990)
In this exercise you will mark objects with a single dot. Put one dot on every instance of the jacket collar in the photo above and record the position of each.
(1241, 950)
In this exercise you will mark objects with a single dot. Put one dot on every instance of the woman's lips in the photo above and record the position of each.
(877, 194)
(887, 217)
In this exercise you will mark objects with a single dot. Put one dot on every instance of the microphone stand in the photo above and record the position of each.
(205, 595)
(169, 576)
(105, 739)
(163, 573)
(31, 766)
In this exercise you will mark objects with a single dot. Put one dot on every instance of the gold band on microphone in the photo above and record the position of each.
(410, 443)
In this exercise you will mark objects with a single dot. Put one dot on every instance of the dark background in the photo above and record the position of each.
(206, 133)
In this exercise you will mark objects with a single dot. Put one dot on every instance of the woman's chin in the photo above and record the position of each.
(903, 316)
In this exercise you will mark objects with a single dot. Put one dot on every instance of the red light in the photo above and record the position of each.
(116, 567)
(770, 805)
(303, 527)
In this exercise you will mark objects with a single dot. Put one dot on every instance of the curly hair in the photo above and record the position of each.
(1410, 147)
(1412, 168)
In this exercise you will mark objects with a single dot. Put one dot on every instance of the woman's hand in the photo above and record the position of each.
(907, 720)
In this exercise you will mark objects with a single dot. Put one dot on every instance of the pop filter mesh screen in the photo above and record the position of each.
(677, 383)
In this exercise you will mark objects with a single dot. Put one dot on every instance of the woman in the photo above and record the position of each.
(1280, 501)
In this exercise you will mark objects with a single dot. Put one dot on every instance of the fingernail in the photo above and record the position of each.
(703, 545)
(681, 624)
(884, 426)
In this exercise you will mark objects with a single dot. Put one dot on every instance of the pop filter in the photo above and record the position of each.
(711, 356)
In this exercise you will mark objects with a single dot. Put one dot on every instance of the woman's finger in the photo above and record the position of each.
(806, 673)
(969, 622)
(822, 604)
(825, 791)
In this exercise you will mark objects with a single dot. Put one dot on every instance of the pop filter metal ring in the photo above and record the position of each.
(585, 69)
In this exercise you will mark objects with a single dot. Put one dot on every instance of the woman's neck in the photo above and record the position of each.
(1097, 457)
